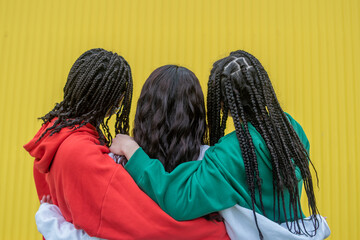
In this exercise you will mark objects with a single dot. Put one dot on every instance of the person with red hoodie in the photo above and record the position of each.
(73, 166)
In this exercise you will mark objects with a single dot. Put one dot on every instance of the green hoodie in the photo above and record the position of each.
(217, 182)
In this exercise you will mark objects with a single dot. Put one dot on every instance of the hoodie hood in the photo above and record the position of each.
(44, 150)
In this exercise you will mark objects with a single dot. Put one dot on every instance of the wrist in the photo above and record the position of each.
(131, 149)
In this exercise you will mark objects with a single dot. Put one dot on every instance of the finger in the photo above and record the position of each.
(112, 149)
(50, 200)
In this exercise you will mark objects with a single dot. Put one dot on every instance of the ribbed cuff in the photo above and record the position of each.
(137, 164)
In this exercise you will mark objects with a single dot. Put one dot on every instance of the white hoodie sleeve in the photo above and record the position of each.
(53, 226)
(240, 224)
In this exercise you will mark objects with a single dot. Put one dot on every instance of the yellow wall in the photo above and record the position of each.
(310, 48)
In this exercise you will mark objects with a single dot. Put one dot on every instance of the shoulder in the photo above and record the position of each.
(226, 142)
(230, 140)
(227, 146)
(297, 127)
(227, 139)
(299, 131)
(293, 122)
(83, 142)
(81, 150)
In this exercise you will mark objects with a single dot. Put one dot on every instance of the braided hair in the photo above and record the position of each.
(99, 84)
(240, 85)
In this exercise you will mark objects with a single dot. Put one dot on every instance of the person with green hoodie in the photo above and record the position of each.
(261, 166)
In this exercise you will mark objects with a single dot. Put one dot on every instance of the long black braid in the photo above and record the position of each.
(240, 85)
(99, 83)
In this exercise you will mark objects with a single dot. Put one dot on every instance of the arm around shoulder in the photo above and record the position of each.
(192, 190)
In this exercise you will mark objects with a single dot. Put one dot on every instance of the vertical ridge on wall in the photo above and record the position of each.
(309, 48)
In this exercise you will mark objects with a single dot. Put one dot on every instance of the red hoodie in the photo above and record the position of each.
(98, 195)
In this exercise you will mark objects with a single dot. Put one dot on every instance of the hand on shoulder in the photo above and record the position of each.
(124, 145)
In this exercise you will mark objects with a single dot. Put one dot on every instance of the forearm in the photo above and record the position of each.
(188, 192)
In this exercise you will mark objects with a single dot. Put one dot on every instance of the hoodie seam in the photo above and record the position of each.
(102, 203)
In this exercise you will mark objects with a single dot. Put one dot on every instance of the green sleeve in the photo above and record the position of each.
(192, 190)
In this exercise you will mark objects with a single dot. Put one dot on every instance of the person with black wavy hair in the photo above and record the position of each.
(170, 120)
(261, 166)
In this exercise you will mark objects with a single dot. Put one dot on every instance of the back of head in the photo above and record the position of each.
(98, 83)
(170, 122)
(240, 85)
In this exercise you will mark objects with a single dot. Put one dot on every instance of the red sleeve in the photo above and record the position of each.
(42, 187)
(100, 197)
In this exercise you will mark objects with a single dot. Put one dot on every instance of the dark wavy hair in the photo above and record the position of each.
(98, 84)
(170, 120)
(240, 85)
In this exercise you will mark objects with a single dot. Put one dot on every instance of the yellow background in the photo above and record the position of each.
(311, 49)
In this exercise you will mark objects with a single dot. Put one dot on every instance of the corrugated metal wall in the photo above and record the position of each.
(310, 49)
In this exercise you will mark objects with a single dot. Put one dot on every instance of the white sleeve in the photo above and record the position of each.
(53, 226)
(240, 224)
